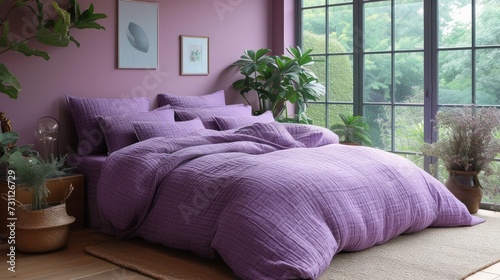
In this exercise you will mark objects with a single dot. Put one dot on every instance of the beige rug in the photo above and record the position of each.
(435, 253)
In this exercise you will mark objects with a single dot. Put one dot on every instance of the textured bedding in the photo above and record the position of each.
(271, 202)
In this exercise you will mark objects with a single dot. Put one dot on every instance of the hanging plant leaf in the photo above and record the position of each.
(8, 82)
(27, 51)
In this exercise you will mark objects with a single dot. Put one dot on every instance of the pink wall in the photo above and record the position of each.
(283, 26)
(232, 25)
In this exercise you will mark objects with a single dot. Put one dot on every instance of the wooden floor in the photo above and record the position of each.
(68, 263)
(73, 263)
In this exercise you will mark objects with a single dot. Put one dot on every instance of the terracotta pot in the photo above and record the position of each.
(466, 187)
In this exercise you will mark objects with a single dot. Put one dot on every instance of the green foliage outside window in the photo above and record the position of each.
(393, 73)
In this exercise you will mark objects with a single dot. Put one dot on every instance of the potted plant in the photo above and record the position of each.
(40, 227)
(277, 79)
(466, 146)
(353, 130)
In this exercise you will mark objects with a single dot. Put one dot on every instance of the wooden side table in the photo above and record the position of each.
(57, 187)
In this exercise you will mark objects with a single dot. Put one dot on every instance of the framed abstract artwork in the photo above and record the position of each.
(137, 35)
(194, 55)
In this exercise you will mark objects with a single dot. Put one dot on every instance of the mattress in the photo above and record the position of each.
(90, 167)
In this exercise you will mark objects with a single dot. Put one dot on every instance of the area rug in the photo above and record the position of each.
(435, 253)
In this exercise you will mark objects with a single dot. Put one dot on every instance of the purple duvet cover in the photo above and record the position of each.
(270, 206)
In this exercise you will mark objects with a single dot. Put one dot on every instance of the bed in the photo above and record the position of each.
(274, 201)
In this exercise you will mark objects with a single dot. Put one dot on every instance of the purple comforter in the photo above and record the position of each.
(266, 201)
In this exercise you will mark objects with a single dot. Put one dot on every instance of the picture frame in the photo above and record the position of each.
(137, 35)
(194, 55)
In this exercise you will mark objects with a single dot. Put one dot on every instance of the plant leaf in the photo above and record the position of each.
(48, 37)
(63, 22)
(27, 51)
(72, 39)
(59, 36)
(8, 82)
(87, 19)
(4, 40)
(85, 25)
(8, 137)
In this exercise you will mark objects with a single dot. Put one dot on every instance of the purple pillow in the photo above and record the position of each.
(273, 131)
(226, 123)
(207, 114)
(84, 111)
(311, 135)
(208, 100)
(119, 131)
(147, 130)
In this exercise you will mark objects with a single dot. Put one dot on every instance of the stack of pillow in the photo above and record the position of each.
(106, 125)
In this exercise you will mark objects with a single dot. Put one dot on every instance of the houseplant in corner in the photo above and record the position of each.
(277, 79)
(466, 146)
(352, 131)
(40, 227)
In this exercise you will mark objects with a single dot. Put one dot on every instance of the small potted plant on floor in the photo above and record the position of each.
(352, 131)
(40, 227)
(466, 146)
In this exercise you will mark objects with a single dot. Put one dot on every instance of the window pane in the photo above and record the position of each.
(335, 110)
(487, 76)
(319, 68)
(340, 34)
(417, 159)
(339, 1)
(491, 184)
(455, 77)
(340, 87)
(313, 30)
(377, 26)
(377, 78)
(317, 112)
(409, 75)
(310, 3)
(488, 22)
(455, 21)
(409, 24)
(409, 128)
(379, 118)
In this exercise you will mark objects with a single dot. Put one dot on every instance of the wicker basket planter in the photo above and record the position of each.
(45, 230)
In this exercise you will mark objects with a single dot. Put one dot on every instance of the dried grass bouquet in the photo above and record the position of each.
(467, 138)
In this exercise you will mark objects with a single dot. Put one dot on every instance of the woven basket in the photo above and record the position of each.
(45, 230)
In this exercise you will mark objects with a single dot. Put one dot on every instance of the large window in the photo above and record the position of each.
(397, 62)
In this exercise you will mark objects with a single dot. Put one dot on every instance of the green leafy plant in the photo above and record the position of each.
(467, 138)
(50, 31)
(279, 78)
(31, 172)
(7, 146)
(6, 140)
(353, 129)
